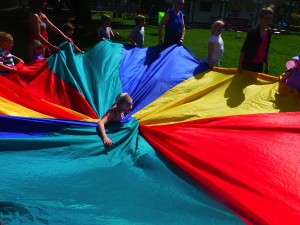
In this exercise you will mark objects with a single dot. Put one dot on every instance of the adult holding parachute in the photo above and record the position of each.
(174, 25)
(38, 23)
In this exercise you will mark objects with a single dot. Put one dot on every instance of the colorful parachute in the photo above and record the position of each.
(202, 146)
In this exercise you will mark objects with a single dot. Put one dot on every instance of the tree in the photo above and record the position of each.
(81, 10)
(297, 7)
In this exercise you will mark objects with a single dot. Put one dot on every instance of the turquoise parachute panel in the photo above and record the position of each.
(69, 177)
(94, 74)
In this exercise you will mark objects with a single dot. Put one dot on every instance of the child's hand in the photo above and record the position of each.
(107, 142)
(68, 39)
(55, 49)
(12, 68)
(285, 76)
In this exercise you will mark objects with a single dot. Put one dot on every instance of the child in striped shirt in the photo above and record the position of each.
(6, 58)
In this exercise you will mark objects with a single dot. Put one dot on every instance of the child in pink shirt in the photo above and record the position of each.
(291, 77)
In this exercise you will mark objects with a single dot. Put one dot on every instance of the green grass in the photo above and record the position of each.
(283, 47)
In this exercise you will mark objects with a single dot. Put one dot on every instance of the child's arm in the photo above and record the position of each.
(105, 139)
(100, 37)
(283, 77)
(101, 124)
(54, 28)
(113, 35)
(7, 68)
(34, 20)
(17, 59)
(211, 47)
(117, 34)
(131, 40)
(182, 32)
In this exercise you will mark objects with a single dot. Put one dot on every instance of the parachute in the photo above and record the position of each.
(201, 146)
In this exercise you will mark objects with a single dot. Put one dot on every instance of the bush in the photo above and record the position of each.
(294, 28)
(7, 3)
(295, 19)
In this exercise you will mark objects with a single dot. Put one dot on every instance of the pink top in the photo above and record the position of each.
(72, 42)
(294, 79)
(259, 58)
(43, 30)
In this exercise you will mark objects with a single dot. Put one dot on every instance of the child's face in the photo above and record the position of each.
(142, 24)
(266, 19)
(69, 33)
(106, 23)
(8, 44)
(218, 29)
(38, 50)
(126, 106)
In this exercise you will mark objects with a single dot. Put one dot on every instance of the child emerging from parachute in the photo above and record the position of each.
(117, 112)
(291, 77)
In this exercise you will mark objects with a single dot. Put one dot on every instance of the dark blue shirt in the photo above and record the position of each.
(173, 28)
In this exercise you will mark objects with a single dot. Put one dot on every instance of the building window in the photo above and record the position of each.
(205, 6)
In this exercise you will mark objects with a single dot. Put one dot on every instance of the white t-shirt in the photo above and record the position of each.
(105, 32)
(137, 34)
(218, 50)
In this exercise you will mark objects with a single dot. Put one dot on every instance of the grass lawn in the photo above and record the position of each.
(283, 47)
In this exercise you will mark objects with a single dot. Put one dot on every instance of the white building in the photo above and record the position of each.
(240, 12)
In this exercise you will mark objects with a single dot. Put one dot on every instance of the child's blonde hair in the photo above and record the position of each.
(266, 11)
(36, 44)
(139, 19)
(4, 37)
(123, 98)
(217, 23)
